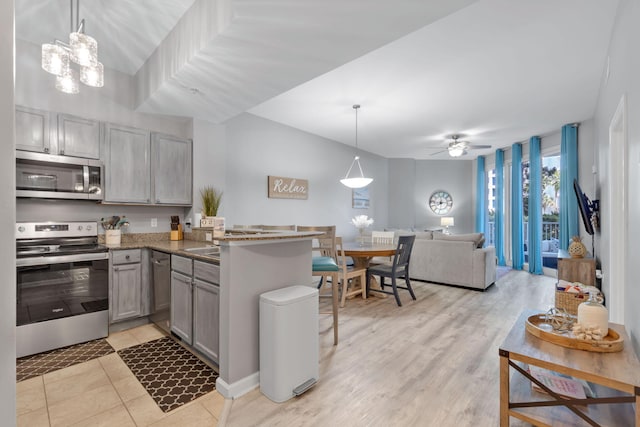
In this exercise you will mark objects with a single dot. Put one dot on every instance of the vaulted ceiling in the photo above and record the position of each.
(495, 71)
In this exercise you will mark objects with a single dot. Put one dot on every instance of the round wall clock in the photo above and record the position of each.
(440, 202)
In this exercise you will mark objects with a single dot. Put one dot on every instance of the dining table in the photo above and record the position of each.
(363, 253)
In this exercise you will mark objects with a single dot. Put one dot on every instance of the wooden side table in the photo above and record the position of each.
(581, 270)
(615, 378)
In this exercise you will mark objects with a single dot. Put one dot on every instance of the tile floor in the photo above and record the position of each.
(104, 392)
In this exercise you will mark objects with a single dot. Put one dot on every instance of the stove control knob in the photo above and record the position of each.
(21, 229)
(80, 228)
(88, 228)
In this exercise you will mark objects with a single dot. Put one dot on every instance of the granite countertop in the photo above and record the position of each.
(181, 247)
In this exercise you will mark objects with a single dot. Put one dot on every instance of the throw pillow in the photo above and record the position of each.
(554, 245)
(545, 246)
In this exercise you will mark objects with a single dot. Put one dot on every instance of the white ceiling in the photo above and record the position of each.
(496, 71)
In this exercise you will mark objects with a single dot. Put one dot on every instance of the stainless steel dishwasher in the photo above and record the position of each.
(161, 279)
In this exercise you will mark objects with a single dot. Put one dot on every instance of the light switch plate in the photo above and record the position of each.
(154, 222)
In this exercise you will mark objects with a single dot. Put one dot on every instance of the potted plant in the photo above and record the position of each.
(211, 199)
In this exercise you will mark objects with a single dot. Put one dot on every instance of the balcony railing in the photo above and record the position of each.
(550, 230)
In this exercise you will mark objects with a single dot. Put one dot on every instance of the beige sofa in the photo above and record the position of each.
(453, 259)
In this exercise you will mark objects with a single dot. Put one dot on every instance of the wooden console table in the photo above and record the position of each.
(615, 378)
(581, 270)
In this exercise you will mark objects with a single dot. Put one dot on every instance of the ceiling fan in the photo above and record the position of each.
(459, 148)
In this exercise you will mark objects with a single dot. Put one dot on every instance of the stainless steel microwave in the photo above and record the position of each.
(58, 177)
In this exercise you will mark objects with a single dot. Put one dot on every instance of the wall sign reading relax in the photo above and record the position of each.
(287, 188)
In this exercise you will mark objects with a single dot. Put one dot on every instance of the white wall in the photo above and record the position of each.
(413, 182)
(624, 78)
(257, 148)
(7, 219)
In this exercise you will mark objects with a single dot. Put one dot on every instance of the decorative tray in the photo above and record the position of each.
(538, 326)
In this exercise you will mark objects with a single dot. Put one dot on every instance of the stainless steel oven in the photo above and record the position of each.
(62, 286)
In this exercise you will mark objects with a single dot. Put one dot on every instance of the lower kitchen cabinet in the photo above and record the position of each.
(195, 304)
(182, 306)
(126, 285)
(206, 315)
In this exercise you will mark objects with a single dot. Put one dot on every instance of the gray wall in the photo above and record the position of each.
(7, 220)
(258, 147)
(414, 181)
(624, 78)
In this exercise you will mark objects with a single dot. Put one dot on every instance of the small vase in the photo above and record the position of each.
(577, 249)
(592, 313)
(361, 237)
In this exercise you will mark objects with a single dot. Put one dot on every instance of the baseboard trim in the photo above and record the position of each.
(238, 388)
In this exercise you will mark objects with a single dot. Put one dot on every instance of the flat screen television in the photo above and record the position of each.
(587, 208)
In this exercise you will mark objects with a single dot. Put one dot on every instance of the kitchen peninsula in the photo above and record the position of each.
(250, 264)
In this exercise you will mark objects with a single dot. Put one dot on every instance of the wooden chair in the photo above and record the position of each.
(382, 238)
(279, 227)
(326, 267)
(398, 269)
(348, 273)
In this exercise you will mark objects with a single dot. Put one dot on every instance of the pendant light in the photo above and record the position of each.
(82, 49)
(356, 181)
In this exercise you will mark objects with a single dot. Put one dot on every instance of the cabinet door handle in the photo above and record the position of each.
(46, 149)
(157, 200)
(116, 268)
(127, 257)
(62, 152)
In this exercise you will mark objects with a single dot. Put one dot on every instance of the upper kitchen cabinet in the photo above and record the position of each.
(146, 168)
(127, 165)
(32, 130)
(171, 170)
(78, 137)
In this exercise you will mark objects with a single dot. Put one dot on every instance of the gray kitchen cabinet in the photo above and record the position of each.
(126, 285)
(32, 129)
(78, 137)
(206, 309)
(195, 304)
(171, 169)
(127, 165)
(182, 306)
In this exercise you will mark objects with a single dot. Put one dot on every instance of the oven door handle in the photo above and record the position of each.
(46, 260)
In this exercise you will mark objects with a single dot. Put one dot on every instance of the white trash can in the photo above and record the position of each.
(289, 342)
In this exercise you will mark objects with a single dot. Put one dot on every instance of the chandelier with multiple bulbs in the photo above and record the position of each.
(356, 181)
(57, 58)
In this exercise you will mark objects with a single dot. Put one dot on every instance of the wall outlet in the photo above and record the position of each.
(208, 237)
(154, 222)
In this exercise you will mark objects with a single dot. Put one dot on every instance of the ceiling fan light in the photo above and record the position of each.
(456, 151)
(84, 49)
(68, 82)
(55, 59)
(92, 76)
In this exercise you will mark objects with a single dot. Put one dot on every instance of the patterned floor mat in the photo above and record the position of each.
(42, 363)
(170, 374)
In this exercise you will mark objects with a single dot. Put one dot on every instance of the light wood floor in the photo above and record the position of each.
(431, 362)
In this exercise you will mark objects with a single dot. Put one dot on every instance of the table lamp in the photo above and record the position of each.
(446, 222)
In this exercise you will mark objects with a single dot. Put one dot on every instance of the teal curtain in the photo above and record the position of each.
(568, 172)
(481, 197)
(517, 251)
(499, 213)
(535, 206)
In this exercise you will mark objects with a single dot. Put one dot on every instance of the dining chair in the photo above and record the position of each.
(399, 268)
(325, 266)
(348, 274)
(279, 227)
(382, 238)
